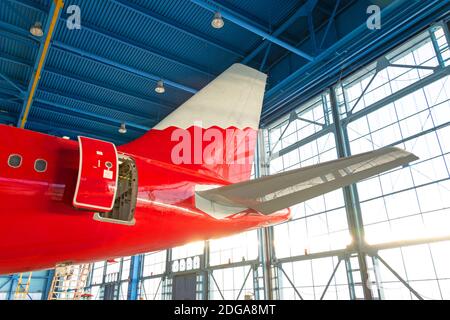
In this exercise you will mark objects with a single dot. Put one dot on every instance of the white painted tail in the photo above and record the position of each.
(233, 99)
(214, 131)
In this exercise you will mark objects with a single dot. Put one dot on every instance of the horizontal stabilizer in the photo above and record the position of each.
(272, 193)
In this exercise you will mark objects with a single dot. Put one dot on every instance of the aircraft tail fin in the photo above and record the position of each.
(215, 130)
(233, 99)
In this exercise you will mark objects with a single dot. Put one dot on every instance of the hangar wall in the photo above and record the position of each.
(399, 217)
(386, 238)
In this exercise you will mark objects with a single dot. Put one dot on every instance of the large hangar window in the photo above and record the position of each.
(405, 212)
(318, 225)
(407, 106)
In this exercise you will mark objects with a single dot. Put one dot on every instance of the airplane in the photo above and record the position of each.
(187, 179)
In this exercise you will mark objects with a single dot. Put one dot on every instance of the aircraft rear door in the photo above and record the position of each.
(97, 175)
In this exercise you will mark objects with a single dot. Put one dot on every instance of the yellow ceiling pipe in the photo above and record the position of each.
(59, 4)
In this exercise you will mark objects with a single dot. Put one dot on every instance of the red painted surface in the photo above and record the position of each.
(97, 175)
(40, 227)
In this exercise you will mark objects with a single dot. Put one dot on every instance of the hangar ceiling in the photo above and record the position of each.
(105, 73)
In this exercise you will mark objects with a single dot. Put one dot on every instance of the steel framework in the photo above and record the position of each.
(359, 258)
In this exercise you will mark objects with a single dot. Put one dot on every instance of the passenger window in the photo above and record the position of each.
(15, 161)
(40, 165)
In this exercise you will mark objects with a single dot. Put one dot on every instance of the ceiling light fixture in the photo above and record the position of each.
(36, 30)
(160, 87)
(123, 129)
(217, 21)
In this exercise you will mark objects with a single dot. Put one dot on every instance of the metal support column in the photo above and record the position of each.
(205, 266)
(376, 269)
(167, 277)
(12, 286)
(91, 275)
(134, 277)
(352, 206)
(436, 46)
(265, 235)
(48, 284)
(405, 283)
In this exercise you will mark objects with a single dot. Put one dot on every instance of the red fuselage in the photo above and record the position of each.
(40, 227)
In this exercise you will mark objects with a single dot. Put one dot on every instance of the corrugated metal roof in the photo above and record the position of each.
(19, 15)
(106, 72)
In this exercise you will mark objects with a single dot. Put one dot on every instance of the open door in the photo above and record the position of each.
(97, 175)
(126, 195)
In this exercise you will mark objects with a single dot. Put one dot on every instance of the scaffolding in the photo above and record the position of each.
(22, 290)
(69, 282)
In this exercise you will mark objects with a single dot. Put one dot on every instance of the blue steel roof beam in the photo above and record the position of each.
(8, 98)
(167, 106)
(253, 29)
(413, 16)
(146, 75)
(330, 23)
(234, 11)
(31, 5)
(53, 129)
(16, 14)
(19, 31)
(324, 10)
(9, 91)
(301, 12)
(334, 51)
(342, 9)
(13, 84)
(78, 99)
(117, 65)
(312, 32)
(88, 115)
(16, 60)
(140, 46)
(110, 87)
(7, 118)
(43, 103)
(59, 130)
(107, 133)
(18, 38)
(160, 19)
(266, 55)
(3, 99)
(5, 96)
(183, 29)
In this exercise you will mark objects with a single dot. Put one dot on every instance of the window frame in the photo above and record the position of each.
(20, 163)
